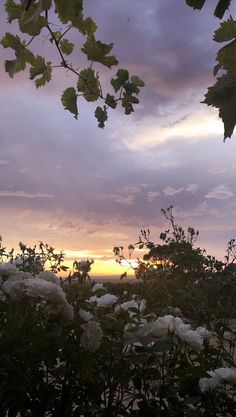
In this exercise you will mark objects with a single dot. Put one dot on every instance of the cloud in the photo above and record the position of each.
(203, 209)
(151, 195)
(221, 192)
(169, 191)
(192, 188)
(23, 194)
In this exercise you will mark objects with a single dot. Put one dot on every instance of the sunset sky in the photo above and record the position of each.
(86, 190)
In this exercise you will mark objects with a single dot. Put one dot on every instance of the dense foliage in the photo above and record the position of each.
(55, 20)
(161, 346)
(222, 95)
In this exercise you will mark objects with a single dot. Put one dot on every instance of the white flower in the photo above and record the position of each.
(106, 300)
(49, 276)
(204, 333)
(92, 336)
(163, 327)
(141, 333)
(85, 315)
(92, 300)
(217, 376)
(13, 287)
(7, 269)
(98, 286)
(207, 384)
(192, 337)
(126, 306)
(39, 288)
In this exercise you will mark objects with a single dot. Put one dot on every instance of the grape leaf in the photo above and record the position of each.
(69, 10)
(196, 4)
(88, 84)
(66, 46)
(226, 31)
(31, 22)
(222, 95)
(101, 116)
(42, 70)
(122, 77)
(13, 10)
(136, 80)
(127, 102)
(23, 55)
(72, 11)
(221, 8)
(97, 51)
(11, 41)
(227, 57)
(111, 101)
(69, 101)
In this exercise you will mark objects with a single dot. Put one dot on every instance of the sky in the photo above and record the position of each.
(85, 190)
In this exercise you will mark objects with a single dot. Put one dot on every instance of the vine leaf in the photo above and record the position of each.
(227, 58)
(22, 54)
(101, 116)
(42, 70)
(88, 84)
(72, 11)
(196, 4)
(122, 76)
(226, 31)
(98, 51)
(69, 101)
(31, 22)
(221, 8)
(66, 46)
(13, 10)
(222, 95)
(111, 101)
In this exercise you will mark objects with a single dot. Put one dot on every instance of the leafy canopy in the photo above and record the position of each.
(39, 17)
(222, 94)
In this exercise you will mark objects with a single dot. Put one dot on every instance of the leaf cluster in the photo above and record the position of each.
(222, 95)
(34, 21)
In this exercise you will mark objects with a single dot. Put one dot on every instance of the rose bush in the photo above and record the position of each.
(161, 346)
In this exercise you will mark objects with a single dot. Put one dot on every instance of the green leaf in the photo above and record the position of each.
(196, 4)
(101, 116)
(42, 70)
(13, 10)
(88, 84)
(227, 57)
(98, 51)
(31, 22)
(69, 11)
(131, 88)
(66, 46)
(136, 80)
(226, 31)
(72, 11)
(11, 41)
(122, 76)
(221, 8)
(124, 275)
(111, 101)
(127, 102)
(90, 26)
(223, 96)
(69, 101)
(23, 55)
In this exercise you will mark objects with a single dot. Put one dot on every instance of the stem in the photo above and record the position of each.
(64, 62)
